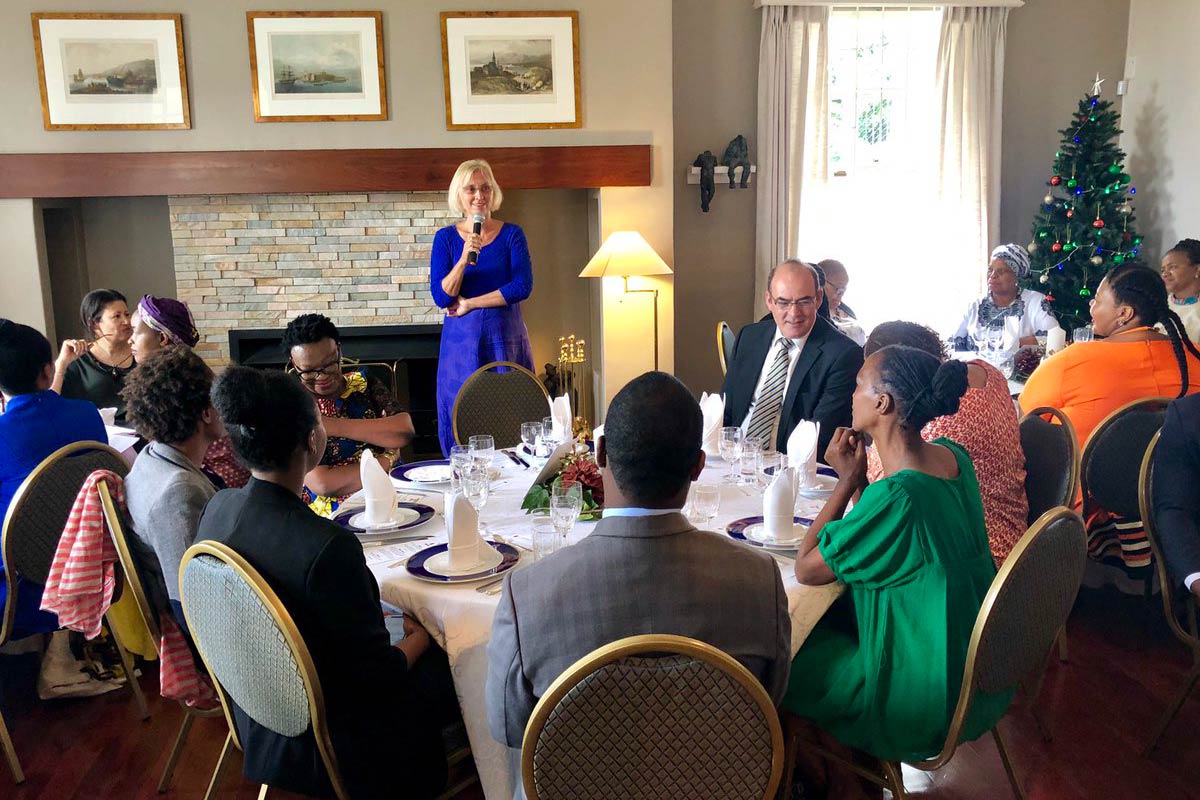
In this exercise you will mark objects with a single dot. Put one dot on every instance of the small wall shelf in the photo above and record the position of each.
(721, 175)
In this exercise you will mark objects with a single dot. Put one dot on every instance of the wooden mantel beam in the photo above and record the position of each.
(48, 175)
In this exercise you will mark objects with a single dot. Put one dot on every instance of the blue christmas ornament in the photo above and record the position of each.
(1132, 190)
(1133, 252)
(1078, 192)
(1076, 140)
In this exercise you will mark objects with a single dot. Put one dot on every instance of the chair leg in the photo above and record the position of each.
(10, 753)
(790, 746)
(895, 778)
(1062, 644)
(139, 699)
(1035, 708)
(176, 750)
(221, 762)
(1173, 709)
(1008, 768)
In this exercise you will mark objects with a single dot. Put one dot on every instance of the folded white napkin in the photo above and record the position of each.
(560, 412)
(712, 406)
(779, 504)
(597, 432)
(1056, 339)
(378, 491)
(109, 415)
(802, 452)
(462, 526)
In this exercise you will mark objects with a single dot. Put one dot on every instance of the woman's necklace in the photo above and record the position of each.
(113, 368)
(1187, 301)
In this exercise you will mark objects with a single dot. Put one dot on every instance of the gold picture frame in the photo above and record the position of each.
(486, 95)
(119, 91)
(313, 89)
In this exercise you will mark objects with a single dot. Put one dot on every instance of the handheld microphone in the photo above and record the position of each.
(477, 228)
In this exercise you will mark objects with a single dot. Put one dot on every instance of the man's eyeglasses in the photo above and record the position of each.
(833, 288)
(328, 368)
(804, 303)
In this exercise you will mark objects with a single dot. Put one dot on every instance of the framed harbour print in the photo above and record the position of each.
(511, 69)
(111, 71)
(317, 66)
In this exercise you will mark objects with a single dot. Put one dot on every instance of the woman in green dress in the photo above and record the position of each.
(914, 556)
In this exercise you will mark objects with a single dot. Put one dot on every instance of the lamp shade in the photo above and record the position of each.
(625, 254)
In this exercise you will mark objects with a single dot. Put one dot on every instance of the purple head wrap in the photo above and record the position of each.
(169, 317)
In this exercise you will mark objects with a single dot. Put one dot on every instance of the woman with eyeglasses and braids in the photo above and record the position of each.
(1129, 360)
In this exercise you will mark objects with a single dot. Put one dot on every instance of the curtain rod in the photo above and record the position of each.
(891, 3)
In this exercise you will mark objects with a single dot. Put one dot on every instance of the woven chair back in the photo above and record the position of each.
(654, 717)
(1051, 461)
(40, 508)
(495, 400)
(1112, 456)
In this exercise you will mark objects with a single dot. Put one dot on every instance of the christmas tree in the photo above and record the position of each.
(1084, 226)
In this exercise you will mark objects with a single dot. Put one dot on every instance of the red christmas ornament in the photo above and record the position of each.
(1050, 298)
(1070, 213)
(1055, 180)
(1056, 247)
(1125, 237)
(1098, 223)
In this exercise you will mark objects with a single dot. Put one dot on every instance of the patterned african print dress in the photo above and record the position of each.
(363, 398)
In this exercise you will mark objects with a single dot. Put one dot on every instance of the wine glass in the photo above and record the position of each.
(531, 436)
(485, 449)
(730, 448)
(549, 437)
(461, 456)
(476, 486)
(706, 502)
(566, 501)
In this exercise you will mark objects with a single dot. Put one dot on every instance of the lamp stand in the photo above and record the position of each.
(654, 292)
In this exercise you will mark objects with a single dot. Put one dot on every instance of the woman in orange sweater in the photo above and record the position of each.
(1129, 361)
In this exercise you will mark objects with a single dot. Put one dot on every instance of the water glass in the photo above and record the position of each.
(1084, 334)
(543, 533)
(730, 448)
(549, 437)
(485, 449)
(748, 463)
(531, 436)
(768, 463)
(706, 502)
(476, 486)
(461, 457)
(566, 501)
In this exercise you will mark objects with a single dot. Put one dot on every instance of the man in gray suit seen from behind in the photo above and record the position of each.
(643, 569)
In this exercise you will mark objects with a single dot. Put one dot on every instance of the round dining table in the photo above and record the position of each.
(459, 617)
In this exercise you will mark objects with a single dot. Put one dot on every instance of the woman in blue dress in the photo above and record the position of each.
(482, 300)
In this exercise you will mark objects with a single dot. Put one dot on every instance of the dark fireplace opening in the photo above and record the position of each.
(410, 352)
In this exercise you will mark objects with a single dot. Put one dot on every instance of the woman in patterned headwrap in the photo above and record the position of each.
(160, 322)
(1005, 301)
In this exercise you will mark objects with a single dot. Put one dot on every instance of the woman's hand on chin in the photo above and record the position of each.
(847, 454)
(460, 307)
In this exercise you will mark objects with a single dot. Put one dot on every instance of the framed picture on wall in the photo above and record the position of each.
(317, 66)
(111, 71)
(511, 69)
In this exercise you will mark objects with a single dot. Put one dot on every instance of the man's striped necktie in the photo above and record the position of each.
(770, 397)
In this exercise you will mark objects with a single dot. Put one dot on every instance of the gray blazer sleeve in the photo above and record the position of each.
(510, 698)
(781, 666)
(176, 514)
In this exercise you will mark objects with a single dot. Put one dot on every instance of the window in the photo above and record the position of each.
(876, 210)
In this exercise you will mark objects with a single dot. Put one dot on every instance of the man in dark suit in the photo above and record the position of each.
(644, 569)
(793, 366)
(1177, 491)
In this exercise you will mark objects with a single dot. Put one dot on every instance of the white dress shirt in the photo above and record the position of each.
(638, 512)
(793, 357)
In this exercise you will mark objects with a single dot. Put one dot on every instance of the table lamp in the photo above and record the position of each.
(625, 254)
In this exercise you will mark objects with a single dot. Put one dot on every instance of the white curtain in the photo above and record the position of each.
(793, 112)
(970, 81)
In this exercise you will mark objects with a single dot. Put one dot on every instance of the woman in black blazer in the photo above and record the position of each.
(385, 704)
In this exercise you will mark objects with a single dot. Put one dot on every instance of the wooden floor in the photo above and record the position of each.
(1123, 668)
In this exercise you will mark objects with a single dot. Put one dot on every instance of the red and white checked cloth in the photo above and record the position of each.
(82, 580)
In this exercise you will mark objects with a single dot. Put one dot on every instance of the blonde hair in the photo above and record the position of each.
(462, 175)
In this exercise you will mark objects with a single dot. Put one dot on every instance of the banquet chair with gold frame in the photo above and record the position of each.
(496, 403)
(1170, 601)
(1051, 450)
(1021, 614)
(253, 652)
(653, 716)
(133, 584)
(32, 527)
(725, 340)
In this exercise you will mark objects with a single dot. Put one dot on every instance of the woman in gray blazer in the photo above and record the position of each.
(167, 401)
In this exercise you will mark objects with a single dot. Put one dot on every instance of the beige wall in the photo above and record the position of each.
(1162, 116)
(22, 261)
(716, 80)
(626, 90)
(1055, 48)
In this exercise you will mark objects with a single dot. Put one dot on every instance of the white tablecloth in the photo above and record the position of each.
(459, 618)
